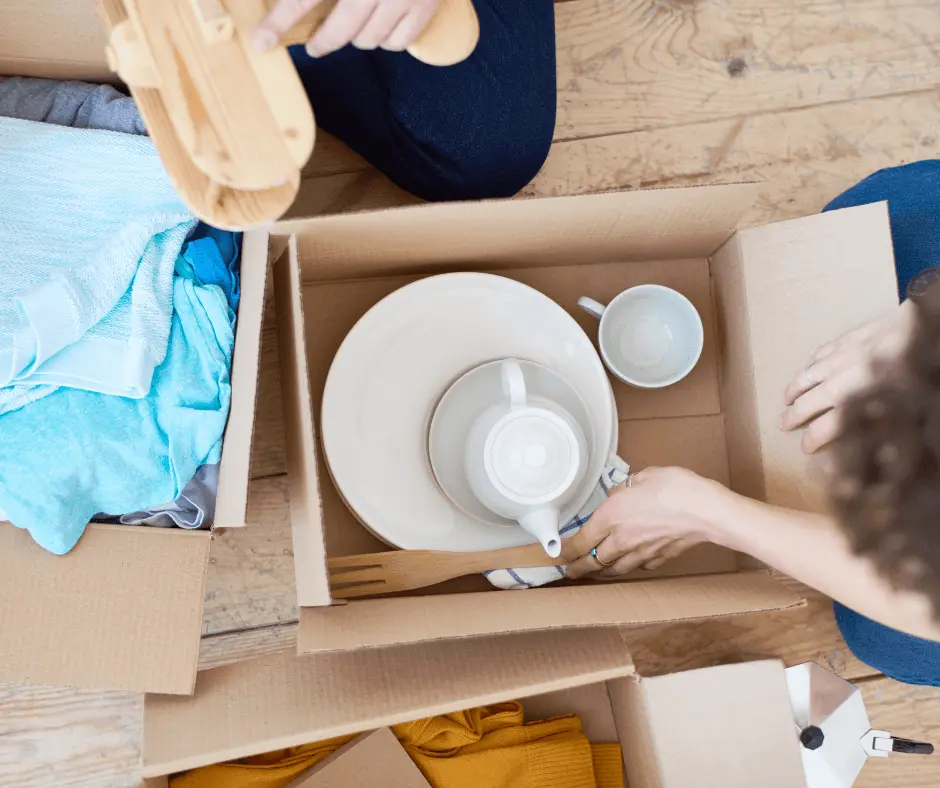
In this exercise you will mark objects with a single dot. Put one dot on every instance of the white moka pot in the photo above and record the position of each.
(525, 462)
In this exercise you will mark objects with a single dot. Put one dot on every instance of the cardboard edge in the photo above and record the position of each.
(336, 630)
(235, 467)
(744, 198)
(640, 758)
(736, 383)
(619, 664)
(300, 435)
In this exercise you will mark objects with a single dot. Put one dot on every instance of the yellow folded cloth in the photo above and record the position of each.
(486, 747)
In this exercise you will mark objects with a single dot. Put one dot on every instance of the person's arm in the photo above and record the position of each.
(666, 510)
(813, 549)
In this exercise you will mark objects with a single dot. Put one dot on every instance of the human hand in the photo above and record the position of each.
(367, 24)
(839, 370)
(663, 512)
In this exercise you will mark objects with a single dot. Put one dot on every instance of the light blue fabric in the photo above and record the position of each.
(74, 452)
(90, 231)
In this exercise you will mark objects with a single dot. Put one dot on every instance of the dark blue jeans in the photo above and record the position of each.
(913, 195)
(479, 129)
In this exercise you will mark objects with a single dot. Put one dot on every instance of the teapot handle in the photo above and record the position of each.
(513, 383)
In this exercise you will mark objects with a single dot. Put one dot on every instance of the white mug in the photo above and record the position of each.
(650, 336)
(524, 462)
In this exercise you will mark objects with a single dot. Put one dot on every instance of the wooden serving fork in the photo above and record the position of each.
(404, 570)
(233, 127)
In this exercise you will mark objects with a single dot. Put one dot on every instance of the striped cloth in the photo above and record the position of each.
(614, 475)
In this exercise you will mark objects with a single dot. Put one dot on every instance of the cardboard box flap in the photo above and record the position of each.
(231, 507)
(123, 610)
(783, 290)
(379, 622)
(372, 759)
(610, 227)
(712, 728)
(61, 39)
(285, 700)
(305, 504)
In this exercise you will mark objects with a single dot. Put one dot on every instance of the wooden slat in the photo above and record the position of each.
(808, 635)
(909, 712)
(52, 737)
(626, 65)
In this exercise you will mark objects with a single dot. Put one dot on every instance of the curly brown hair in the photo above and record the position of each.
(887, 463)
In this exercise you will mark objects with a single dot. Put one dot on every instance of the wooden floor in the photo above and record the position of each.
(808, 96)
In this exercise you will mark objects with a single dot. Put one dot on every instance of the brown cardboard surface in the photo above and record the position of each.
(591, 703)
(306, 507)
(370, 760)
(61, 39)
(656, 224)
(799, 283)
(712, 728)
(697, 443)
(380, 622)
(284, 700)
(123, 610)
(235, 467)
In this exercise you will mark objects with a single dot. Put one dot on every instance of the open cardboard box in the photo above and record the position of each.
(768, 297)
(725, 727)
(123, 610)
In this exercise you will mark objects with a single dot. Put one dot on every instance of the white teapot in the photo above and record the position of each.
(523, 462)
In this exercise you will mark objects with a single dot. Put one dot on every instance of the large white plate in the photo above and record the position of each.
(396, 363)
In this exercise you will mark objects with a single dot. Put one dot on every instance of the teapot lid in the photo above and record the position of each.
(532, 456)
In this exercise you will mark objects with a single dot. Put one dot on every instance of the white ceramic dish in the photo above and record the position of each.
(468, 397)
(392, 369)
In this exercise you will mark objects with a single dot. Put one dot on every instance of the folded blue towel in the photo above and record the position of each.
(75, 453)
(90, 231)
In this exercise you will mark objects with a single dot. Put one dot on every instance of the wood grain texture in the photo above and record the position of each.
(909, 712)
(627, 65)
(61, 738)
(807, 635)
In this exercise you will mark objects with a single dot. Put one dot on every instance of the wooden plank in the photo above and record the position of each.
(808, 635)
(805, 157)
(250, 581)
(52, 737)
(229, 647)
(627, 65)
(909, 712)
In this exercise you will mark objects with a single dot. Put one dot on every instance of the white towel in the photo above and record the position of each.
(614, 475)
(90, 229)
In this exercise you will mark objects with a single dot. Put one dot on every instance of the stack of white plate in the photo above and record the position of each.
(432, 343)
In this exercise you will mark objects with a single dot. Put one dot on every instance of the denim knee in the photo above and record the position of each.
(498, 166)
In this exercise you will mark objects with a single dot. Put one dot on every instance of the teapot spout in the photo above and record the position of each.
(543, 525)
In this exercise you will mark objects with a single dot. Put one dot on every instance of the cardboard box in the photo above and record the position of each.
(768, 296)
(374, 758)
(123, 610)
(725, 727)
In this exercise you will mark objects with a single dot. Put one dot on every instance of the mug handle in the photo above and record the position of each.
(592, 307)
(513, 383)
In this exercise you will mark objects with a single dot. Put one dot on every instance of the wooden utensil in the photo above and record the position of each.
(404, 570)
(234, 128)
